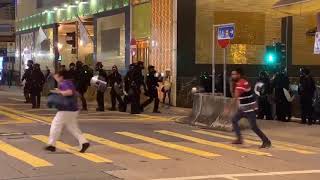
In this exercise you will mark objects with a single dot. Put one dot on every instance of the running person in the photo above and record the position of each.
(247, 107)
(66, 116)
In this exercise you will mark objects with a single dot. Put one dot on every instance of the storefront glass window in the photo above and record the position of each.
(44, 52)
(257, 25)
(111, 41)
(27, 50)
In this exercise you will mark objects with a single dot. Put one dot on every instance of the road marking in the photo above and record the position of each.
(234, 176)
(16, 99)
(126, 148)
(284, 148)
(65, 147)
(18, 119)
(39, 118)
(23, 156)
(42, 109)
(214, 144)
(154, 118)
(169, 145)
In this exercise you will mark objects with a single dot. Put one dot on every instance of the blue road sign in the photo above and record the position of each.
(226, 32)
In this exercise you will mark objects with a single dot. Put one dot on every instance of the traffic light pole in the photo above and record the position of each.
(213, 60)
(225, 72)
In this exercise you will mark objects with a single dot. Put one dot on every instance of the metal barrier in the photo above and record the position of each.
(214, 112)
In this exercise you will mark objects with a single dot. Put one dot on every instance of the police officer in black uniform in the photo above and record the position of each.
(82, 79)
(152, 85)
(72, 72)
(100, 93)
(27, 77)
(283, 106)
(37, 82)
(307, 89)
(115, 81)
(133, 83)
(264, 98)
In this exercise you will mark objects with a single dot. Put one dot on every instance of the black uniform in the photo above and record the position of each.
(264, 98)
(152, 85)
(307, 88)
(283, 106)
(37, 82)
(27, 87)
(115, 81)
(100, 94)
(82, 80)
(133, 83)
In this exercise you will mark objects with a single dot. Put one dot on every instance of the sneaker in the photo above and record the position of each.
(51, 148)
(238, 141)
(85, 146)
(266, 145)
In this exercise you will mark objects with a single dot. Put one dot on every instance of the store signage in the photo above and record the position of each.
(317, 43)
(226, 32)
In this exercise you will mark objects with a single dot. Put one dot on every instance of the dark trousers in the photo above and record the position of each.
(134, 100)
(306, 111)
(36, 99)
(83, 100)
(251, 116)
(153, 96)
(283, 111)
(114, 98)
(100, 100)
(26, 93)
(264, 109)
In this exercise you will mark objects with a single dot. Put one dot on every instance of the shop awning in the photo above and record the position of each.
(298, 6)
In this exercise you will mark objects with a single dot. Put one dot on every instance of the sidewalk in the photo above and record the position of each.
(165, 109)
(14, 90)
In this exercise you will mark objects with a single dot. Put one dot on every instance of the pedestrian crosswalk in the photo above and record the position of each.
(195, 147)
(27, 115)
(70, 149)
(23, 156)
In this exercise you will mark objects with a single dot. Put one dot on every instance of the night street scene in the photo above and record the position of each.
(159, 90)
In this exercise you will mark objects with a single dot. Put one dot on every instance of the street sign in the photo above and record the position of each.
(317, 43)
(226, 32)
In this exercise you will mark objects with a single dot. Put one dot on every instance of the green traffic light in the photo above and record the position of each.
(271, 58)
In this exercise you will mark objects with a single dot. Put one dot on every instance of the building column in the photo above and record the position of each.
(55, 42)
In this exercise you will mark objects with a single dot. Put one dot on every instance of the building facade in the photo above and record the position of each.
(7, 45)
(173, 35)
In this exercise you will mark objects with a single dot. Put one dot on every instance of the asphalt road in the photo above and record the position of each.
(149, 146)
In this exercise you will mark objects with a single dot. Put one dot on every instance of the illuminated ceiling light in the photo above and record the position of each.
(55, 8)
(65, 5)
(77, 2)
(81, 43)
(84, 2)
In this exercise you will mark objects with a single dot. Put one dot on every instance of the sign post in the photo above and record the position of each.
(225, 33)
(317, 43)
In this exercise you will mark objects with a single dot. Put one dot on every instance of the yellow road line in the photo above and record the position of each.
(153, 118)
(42, 118)
(23, 156)
(214, 144)
(65, 147)
(18, 119)
(253, 142)
(126, 148)
(169, 145)
(292, 145)
(43, 109)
